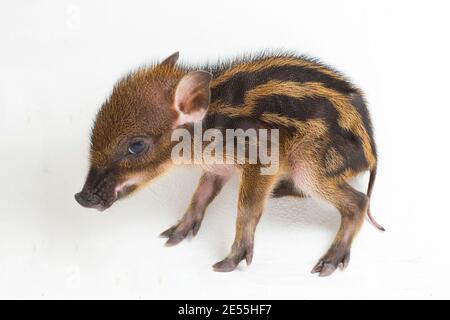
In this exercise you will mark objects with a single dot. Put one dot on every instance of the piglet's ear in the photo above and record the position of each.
(192, 97)
(172, 59)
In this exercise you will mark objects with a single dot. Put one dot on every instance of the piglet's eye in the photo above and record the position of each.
(136, 147)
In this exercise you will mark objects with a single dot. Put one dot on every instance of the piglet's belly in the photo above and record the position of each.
(221, 169)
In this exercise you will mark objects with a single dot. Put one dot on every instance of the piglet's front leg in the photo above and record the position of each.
(254, 190)
(208, 188)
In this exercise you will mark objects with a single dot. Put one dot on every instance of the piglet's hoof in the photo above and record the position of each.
(225, 265)
(179, 232)
(329, 263)
(174, 236)
(231, 262)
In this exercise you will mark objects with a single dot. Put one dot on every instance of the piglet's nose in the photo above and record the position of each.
(81, 199)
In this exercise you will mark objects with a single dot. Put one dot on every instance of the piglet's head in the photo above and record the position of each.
(131, 137)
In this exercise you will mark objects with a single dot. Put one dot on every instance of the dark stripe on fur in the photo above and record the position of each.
(358, 102)
(346, 143)
(233, 90)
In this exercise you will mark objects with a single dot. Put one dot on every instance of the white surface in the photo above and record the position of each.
(58, 61)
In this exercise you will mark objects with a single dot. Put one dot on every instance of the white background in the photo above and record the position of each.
(58, 62)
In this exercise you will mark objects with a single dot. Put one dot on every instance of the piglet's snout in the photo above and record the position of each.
(87, 200)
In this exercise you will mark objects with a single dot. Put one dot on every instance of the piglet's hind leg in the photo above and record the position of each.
(352, 206)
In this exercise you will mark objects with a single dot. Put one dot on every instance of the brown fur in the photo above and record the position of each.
(349, 118)
(262, 64)
(148, 104)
